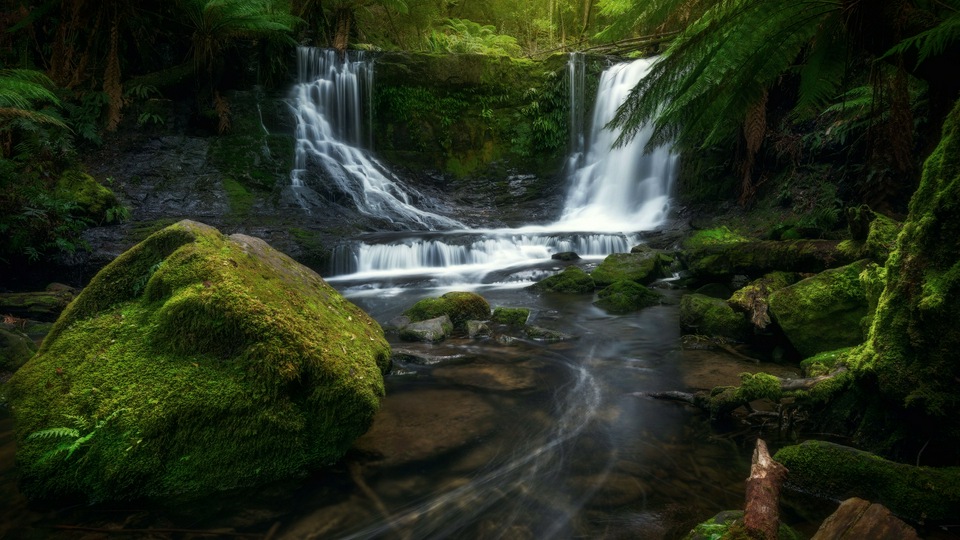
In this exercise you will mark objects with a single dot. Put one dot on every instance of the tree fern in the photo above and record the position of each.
(936, 40)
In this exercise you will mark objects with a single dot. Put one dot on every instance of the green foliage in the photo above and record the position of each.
(77, 440)
(510, 316)
(936, 40)
(465, 36)
(460, 307)
(718, 236)
(572, 280)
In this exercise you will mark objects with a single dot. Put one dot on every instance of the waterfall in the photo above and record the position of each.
(619, 188)
(614, 193)
(331, 105)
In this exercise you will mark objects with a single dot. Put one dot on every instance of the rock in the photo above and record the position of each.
(423, 358)
(397, 323)
(714, 290)
(476, 329)
(423, 425)
(823, 312)
(545, 334)
(495, 377)
(627, 296)
(433, 330)
(565, 256)
(93, 200)
(196, 363)
(460, 307)
(721, 261)
(15, 348)
(753, 299)
(856, 519)
(40, 306)
(511, 316)
(644, 268)
(708, 316)
(571, 280)
(839, 472)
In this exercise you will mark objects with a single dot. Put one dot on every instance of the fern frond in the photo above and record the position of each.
(56, 432)
(932, 42)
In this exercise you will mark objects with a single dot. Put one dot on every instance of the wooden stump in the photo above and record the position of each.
(761, 516)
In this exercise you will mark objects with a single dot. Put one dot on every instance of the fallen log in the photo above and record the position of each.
(761, 514)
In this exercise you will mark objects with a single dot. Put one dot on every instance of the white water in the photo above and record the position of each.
(330, 101)
(614, 193)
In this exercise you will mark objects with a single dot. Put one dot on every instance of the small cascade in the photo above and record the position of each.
(619, 188)
(330, 104)
(577, 82)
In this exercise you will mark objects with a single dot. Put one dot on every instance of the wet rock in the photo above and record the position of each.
(756, 258)
(432, 330)
(857, 519)
(626, 296)
(545, 334)
(644, 268)
(565, 256)
(458, 306)
(753, 299)
(510, 316)
(423, 425)
(397, 323)
(476, 329)
(423, 358)
(41, 306)
(714, 290)
(571, 280)
(15, 348)
(496, 377)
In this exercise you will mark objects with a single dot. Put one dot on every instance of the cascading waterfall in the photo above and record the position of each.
(329, 103)
(615, 192)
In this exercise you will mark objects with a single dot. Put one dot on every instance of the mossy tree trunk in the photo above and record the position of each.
(913, 347)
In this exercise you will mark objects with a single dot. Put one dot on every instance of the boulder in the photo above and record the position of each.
(15, 348)
(643, 267)
(756, 258)
(476, 329)
(626, 296)
(545, 334)
(571, 280)
(191, 364)
(565, 256)
(822, 312)
(856, 519)
(432, 330)
(840, 472)
(460, 307)
(753, 299)
(511, 316)
(708, 316)
(38, 306)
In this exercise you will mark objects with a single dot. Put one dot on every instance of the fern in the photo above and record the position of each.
(936, 40)
(56, 432)
(78, 441)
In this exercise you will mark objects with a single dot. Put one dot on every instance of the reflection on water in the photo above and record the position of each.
(484, 439)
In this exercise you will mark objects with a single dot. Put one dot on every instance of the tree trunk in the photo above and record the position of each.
(341, 37)
(761, 515)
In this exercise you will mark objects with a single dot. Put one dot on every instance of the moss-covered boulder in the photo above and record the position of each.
(36, 305)
(643, 267)
(708, 316)
(839, 472)
(15, 348)
(571, 280)
(626, 296)
(194, 363)
(94, 200)
(825, 362)
(873, 235)
(822, 312)
(754, 259)
(511, 316)
(459, 306)
(431, 330)
(753, 298)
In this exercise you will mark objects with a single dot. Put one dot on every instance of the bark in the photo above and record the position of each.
(761, 515)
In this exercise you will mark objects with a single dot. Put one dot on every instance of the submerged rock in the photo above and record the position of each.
(195, 363)
(627, 296)
(545, 334)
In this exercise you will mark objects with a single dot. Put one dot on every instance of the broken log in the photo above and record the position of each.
(761, 515)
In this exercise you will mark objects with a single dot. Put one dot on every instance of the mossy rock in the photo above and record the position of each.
(708, 316)
(571, 280)
(728, 525)
(459, 306)
(511, 316)
(195, 363)
(873, 235)
(754, 297)
(840, 472)
(91, 197)
(39, 305)
(626, 296)
(822, 312)
(643, 268)
(823, 363)
(756, 258)
(718, 236)
(430, 330)
(15, 348)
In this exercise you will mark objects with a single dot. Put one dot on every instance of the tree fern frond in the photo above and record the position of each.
(932, 42)
(823, 71)
(55, 432)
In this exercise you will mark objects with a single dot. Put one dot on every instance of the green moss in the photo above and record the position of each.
(511, 316)
(459, 306)
(15, 349)
(824, 362)
(822, 312)
(708, 316)
(713, 237)
(756, 258)
(241, 199)
(571, 280)
(840, 472)
(754, 297)
(93, 199)
(626, 296)
(642, 268)
(220, 361)
(728, 525)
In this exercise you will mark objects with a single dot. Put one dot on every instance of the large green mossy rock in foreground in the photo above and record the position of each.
(194, 363)
(823, 312)
(840, 472)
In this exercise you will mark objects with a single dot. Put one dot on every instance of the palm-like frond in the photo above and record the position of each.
(936, 40)
(699, 92)
(21, 91)
(626, 16)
